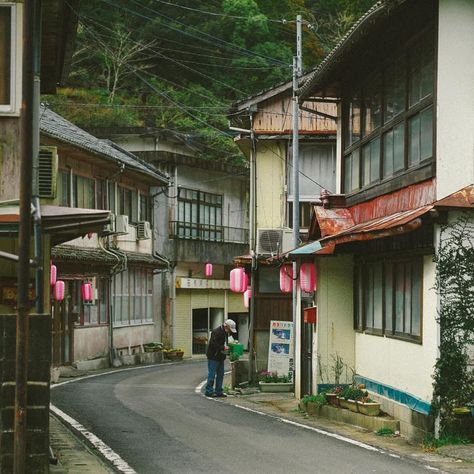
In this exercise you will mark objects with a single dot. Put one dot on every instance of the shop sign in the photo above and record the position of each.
(280, 347)
(201, 284)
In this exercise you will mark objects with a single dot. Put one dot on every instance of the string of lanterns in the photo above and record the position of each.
(58, 287)
(308, 280)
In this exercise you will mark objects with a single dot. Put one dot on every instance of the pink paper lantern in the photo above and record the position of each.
(238, 280)
(53, 275)
(86, 290)
(247, 296)
(286, 278)
(208, 270)
(58, 291)
(308, 277)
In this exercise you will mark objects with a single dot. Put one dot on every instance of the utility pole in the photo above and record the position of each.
(30, 15)
(297, 72)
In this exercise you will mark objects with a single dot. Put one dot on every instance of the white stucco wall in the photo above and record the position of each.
(406, 366)
(270, 185)
(455, 97)
(335, 333)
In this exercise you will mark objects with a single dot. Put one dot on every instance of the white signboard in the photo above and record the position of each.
(280, 347)
(202, 284)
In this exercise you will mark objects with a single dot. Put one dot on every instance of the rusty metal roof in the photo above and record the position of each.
(394, 224)
(339, 231)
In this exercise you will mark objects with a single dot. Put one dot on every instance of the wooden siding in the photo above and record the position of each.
(271, 307)
(275, 116)
(9, 158)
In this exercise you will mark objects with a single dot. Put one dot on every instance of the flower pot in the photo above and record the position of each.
(276, 386)
(348, 404)
(333, 399)
(174, 355)
(369, 409)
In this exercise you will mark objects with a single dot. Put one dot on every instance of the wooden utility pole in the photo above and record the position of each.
(31, 11)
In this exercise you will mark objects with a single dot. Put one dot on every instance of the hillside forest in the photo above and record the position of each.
(179, 64)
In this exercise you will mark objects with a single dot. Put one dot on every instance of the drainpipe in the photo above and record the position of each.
(437, 421)
(253, 250)
(119, 267)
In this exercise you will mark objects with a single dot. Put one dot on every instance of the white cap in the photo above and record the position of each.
(230, 323)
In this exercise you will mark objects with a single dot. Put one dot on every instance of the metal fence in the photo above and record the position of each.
(208, 233)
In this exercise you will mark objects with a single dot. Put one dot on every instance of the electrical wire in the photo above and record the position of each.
(212, 39)
(216, 14)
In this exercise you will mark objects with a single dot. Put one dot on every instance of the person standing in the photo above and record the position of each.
(216, 353)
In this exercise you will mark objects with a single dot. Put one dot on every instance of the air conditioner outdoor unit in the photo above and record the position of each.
(143, 230)
(121, 224)
(274, 241)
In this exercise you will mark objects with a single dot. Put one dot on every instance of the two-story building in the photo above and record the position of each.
(120, 262)
(268, 118)
(403, 78)
(201, 218)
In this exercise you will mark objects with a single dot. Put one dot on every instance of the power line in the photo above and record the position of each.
(179, 63)
(211, 40)
(217, 14)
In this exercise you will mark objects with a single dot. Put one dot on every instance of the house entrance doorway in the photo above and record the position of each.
(204, 321)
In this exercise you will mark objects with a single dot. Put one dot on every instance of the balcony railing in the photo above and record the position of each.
(208, 233)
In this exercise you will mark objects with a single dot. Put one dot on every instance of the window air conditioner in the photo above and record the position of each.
(121, 225)
(47, 171)
(274, 241)
(143, 230)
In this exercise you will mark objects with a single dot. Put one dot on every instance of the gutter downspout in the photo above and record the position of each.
(118, 268)
(253, 253)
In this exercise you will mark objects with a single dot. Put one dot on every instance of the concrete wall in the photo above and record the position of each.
(91, 342)
(131, 336)
(392, 362)
(335, 333)
(271, 169)
(455, 101)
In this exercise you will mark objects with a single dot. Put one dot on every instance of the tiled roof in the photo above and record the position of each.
(58, 127)
(345, 42)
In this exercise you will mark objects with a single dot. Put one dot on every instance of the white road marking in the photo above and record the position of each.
(141, 367)
(103, 448)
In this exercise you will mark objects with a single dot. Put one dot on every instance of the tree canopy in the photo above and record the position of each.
(179, 64)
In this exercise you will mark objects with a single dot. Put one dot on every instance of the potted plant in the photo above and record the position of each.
(173, 354)
(333, 394)
(312, 404)
(356, 399)
(272, 382)
(153, 347)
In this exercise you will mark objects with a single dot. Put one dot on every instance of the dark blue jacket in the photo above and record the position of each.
(217, 341)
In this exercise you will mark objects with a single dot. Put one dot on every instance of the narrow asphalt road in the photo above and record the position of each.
(157, 423)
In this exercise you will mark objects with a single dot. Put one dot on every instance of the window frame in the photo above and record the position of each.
(133, 291)
(386, 126)
(13, 108)
(388, 322)
(201, 225)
